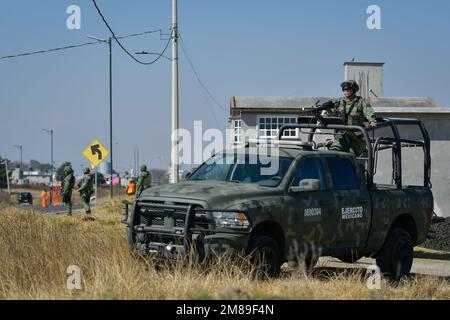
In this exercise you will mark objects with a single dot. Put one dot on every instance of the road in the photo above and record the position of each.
(58, 209)
(48, 211)
(435, 265)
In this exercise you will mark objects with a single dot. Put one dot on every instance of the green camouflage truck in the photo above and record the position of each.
(316, 203)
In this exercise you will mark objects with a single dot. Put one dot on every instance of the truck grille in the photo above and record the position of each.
(179, 223)
(170, 218)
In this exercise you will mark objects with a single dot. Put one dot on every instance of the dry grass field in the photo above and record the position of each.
(36, 251)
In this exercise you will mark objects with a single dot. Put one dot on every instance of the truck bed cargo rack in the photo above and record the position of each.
(373, 142)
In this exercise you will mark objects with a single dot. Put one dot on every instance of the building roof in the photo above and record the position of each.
(381, 105)
(364, 63)
(276, 102)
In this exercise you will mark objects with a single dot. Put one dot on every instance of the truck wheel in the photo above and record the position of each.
(131, 237)
(265, 254)
(396, 256)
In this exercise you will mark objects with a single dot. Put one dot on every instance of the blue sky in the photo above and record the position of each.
(239, 47)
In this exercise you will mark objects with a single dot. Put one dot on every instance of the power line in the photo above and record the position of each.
(49, 50)
(120, 44)
(74, 46)
(210, 95)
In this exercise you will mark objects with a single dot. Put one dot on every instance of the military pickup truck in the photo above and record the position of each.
(316, 203)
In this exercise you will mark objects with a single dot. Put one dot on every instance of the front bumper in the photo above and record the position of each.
(175, 240)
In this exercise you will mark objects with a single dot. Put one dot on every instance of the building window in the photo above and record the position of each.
(237, 131)
(270, 126)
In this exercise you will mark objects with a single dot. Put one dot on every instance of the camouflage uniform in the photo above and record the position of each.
(144, 181)
(87, 189)
(67, 187)
(353, 112)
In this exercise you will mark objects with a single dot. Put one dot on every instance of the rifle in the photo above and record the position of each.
(317, 111)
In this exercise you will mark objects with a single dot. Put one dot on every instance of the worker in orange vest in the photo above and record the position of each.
(44, 199)
(131, 188)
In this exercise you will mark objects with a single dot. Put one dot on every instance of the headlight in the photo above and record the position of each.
(234, 220)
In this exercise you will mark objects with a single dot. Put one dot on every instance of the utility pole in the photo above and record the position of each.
(7, 176)
(109, 42)
(110, 118)
(21, 161)
(51, 164)
(96, 186)
(138, 163)
(175, 121)
(134, 163)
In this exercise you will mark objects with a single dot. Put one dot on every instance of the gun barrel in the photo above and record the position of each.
(323, 107)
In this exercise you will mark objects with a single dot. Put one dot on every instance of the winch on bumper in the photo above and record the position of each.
(172, 230)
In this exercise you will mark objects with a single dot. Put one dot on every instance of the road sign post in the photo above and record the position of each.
(96, 153)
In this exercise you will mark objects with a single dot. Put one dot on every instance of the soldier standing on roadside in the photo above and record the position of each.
(354, 111)
(144, 181)
(87, 190)
(67, 187)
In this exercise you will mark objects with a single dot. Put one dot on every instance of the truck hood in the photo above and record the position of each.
(213, 192)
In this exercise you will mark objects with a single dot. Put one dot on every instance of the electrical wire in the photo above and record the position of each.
(49, 50)
(74, 46)
(210, 95)
(160, 55)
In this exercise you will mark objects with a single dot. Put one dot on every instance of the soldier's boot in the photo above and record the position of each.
(87, 208)
(69, 209)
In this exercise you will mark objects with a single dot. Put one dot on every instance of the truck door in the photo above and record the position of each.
(310, 208)
(351, 204)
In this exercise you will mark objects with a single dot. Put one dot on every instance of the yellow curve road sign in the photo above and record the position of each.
(96, 153)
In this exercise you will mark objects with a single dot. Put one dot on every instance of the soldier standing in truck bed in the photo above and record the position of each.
(354, 111)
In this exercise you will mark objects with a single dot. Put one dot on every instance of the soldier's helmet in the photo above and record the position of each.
(143, 167)
(351, 84)
(68, 170)
(86, 171)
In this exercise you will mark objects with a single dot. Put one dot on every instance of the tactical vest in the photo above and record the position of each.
(344, 114)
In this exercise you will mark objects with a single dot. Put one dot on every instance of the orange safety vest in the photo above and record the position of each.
(44, 199)
(131, 190)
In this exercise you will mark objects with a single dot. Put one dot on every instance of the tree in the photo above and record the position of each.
(41, 167)
(60, 171)
(3, 183)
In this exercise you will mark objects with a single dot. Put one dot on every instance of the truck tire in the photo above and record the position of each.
(396, 257)
(131, 236)
(265, 253)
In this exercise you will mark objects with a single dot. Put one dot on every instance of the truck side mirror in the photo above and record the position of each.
(306, 185)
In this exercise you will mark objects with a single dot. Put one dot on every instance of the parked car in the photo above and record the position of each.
(25, 198)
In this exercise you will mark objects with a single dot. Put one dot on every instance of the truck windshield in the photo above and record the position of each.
(233, 168)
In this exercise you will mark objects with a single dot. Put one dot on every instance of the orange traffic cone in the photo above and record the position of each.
(44, 199)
